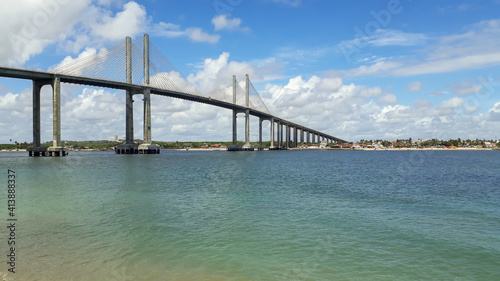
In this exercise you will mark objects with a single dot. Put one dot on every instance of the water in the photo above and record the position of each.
(289, 215)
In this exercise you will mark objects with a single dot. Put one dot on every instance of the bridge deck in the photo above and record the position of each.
(42, 75)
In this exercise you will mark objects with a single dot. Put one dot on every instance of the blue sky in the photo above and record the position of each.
(354, 69)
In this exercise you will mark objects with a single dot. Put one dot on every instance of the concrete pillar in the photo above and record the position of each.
(281, 135)
(235, 113)
(129, 117)
(128, 58)
(302, 135)
(278, 134)
(295, 136)
(146, 59)
(147, 93)
(308, 134)
(235, 128)
(147, 116)
(271, 145)
(56, 118)
(247, 113)
(37, 86)
(260, 131)
(129, 95)
(247, 128)
(287, 136)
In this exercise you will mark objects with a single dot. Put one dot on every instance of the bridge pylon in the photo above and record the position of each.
(147, 147)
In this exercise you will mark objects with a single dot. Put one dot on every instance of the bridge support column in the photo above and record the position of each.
(147, 116)
(56, 148)
(260, 132)
(235, 128)
(129, 117)
(247, 145)
(301, 135)
(295, 136)
(37, 86)
(56, 108)
(271, 144)
(247, 129)
(278, 132)
(235, 113)
(280, 135)
(288, 136)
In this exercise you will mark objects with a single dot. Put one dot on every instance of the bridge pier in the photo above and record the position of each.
(260, 132)
(279, 135)
(56, 149)
(247, 145)
(271, 144)
(295, 136)
(287, 136)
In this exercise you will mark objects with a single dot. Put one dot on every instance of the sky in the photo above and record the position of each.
(388, 69)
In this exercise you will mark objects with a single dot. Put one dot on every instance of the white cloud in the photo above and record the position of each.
(380, 38)
(193, 33)
(31, 26)
(132, 20)
(380, 68)
(414, 87)
(387, 99)
(475, 48)
(469, 110)
(494, 113)
(448, 107)
(465, 88)
(390, 37)
(198, 35)
(222, 22)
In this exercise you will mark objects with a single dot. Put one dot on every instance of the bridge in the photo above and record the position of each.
(139, 68)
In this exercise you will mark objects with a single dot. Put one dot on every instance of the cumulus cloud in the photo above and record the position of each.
(222, 22)
(494, 113)
(132, 20)
(30, 27)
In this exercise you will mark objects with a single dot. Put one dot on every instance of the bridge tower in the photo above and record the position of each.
(130, 147)
(247, 145)
(147, 147)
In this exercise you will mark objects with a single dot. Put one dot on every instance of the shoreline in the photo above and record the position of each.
(298, 149)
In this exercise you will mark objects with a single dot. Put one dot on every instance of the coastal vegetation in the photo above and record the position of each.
(399, 143)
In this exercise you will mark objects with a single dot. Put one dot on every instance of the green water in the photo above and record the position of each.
(289, 215)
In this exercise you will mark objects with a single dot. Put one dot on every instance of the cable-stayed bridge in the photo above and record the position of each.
(140, 68)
